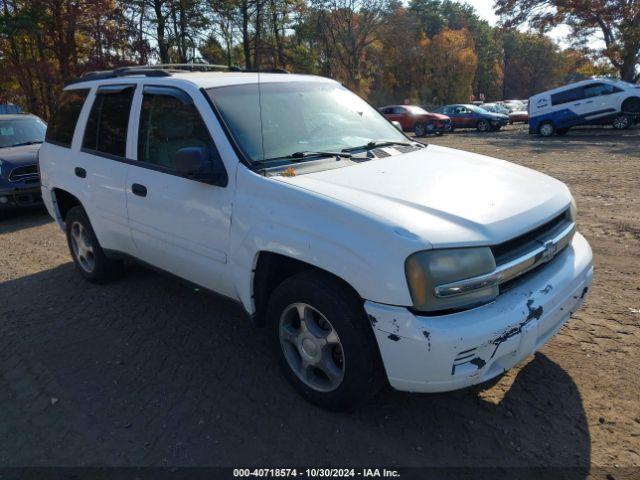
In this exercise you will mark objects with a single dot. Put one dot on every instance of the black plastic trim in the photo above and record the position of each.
(225, 128)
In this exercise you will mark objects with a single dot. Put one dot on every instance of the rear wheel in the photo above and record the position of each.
(483, 126)
(325, 346)
(547, 129)
(87, 254)
(621, 122)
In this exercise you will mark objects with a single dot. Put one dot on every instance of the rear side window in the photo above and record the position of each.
(63, 123)
(572, 95)
(106, 130)
(169, 121)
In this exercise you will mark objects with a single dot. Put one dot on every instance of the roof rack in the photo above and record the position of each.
(165, 70)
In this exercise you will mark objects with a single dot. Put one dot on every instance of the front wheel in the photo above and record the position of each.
(621, 122)
(323, 341)
(483, 126)
(547, 129)
(87, 254)
(421, 129)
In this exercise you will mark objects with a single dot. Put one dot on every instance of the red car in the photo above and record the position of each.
(416, 119)
(519, 116)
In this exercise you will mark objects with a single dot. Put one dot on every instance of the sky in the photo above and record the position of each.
(484, 8)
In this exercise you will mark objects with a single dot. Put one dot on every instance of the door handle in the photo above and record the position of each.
(139, 190)
(80, 172)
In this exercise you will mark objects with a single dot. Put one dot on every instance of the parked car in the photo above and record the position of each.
(370, 257)
(417, 119)
(515, 105)
(20, 139)
(471, 116)
(519, 116)
(495, 108)
(599, 101)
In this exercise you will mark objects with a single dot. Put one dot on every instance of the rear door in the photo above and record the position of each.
(178, 224)
(102, 166)
(603, 100)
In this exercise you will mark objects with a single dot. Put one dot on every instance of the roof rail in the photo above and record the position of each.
(165, 70)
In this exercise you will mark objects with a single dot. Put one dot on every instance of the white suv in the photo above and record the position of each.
(367, 255)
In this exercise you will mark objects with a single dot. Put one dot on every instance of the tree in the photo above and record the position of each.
(346, 29)
(618, 21)
(452, 62)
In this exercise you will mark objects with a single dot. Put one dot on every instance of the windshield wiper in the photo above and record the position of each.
(22, 144)
(298, 156)
(377, 143)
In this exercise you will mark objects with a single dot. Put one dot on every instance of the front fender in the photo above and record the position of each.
(277, 217)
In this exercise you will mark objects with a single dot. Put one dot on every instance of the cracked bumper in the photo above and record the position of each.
(448, 352)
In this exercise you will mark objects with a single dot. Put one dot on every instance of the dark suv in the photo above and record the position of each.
(20, 139)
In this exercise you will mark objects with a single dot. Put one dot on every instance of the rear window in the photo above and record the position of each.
(106, 130)
(63, 123)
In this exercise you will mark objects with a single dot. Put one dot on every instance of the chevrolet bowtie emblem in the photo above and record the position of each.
(550, 249)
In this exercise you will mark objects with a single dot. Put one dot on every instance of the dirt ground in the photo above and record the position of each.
(149, 371)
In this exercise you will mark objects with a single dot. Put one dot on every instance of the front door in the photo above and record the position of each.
(177, 223)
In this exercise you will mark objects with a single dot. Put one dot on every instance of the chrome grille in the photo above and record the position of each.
(26, 172)
(518, 256)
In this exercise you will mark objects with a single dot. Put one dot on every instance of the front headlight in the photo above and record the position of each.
(432, 276)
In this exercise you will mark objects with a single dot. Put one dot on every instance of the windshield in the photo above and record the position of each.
(21, 131)
(477, 109)
(281, 118)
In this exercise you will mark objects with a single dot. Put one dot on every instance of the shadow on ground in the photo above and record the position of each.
(14, 220)
(150, 371)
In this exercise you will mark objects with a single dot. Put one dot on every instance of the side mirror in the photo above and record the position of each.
(199, 164)
(397, 124)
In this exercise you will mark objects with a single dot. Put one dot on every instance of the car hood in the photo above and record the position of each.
(444, 197)
(16, 156)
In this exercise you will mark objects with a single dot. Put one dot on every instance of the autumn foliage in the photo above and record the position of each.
(425, 51)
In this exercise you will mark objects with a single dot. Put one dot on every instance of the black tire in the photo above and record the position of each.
(631, 106)
(101, 269)
(420, 129)
(483, 126)
(622, 122)
(562, 131)
(547, 129)
(363, 374)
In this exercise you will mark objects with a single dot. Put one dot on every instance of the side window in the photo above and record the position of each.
(63, 123)
(595, 90)
(568, 96)
(106, 130)
(169, 121)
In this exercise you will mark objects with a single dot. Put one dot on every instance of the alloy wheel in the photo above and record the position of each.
(621, 122)
(312, 347)
(82, 247)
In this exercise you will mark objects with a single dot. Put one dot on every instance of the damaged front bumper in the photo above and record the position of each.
(448, 352)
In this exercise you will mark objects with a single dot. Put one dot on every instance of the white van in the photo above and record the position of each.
(598, 101)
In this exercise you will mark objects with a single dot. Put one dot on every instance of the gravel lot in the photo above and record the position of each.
(150, 371)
